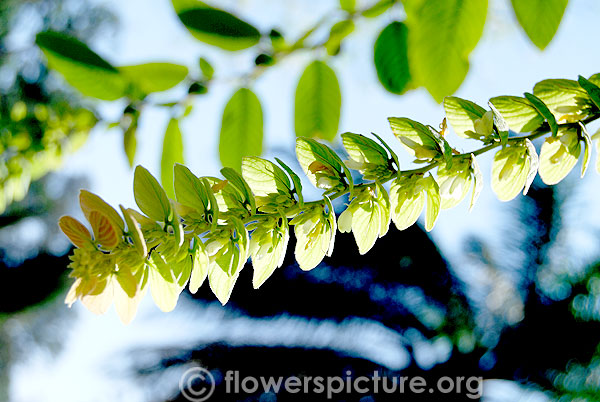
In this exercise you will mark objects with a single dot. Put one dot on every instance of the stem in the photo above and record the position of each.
(535, 134)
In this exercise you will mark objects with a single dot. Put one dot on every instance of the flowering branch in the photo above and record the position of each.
(216, 224)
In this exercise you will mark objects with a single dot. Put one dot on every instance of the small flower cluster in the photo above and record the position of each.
(216, 224)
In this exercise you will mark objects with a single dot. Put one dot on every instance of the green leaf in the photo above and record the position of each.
(83, 69)
(407, 201)
(595, 79)
(462, 114)
(348, 5)
(391, 58)
(165, 294)
(520, 115)
(314, 238)
(442, 34)
(510, 171)
(360, 147)
(534, 165)
(432, 192)
(587, 143)
(539, 18)
(592, 90)
(241, 129)
(267, 249)
(189, 189)
(338, 32)
(219, 28)
(500, 123)
(154, 77)
(91, 202)
(322, 166)
(566, 99)
(544, 111)
(478, 181)
(172, 153)
(134, 231)
(130, 143)
(237, 181)
(295, 179)
(383, 203)
(416, 138)
(264, 177)
(378, 8)
(206, 68)
(559, 155)
(150, 196)
(455, 181)
(221, 283)
(390, 150)
(182, 5)
(366, 223)
(200, 264)
(318, 102)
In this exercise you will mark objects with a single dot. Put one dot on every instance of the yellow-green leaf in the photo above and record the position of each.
(539, 18)
(154, 77)
(267, 250)
(518, 112)
(264, 177)
(76, 232)
(150, 196)
(567, 101)
(318, 102)
(441, 36)
(172, 153)
(200, 266)
(82, 68)
(91, 202)
(241, 129)
(462, 114)
(189, 189)
(559, 155)
(433, 202)
(221, 283)
(165, 294)
(416, 138)
(407, 201)
(510, 170)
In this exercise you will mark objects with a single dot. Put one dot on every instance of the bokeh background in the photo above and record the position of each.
(509, 291)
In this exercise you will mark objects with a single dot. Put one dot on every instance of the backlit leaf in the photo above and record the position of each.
(318, 102)
(75, 231)
(83, 69)
(150, 196)
(219, 28)
(241, 129)
(519, 113)
(462, 114)
(154, 77)
(391, 58)
(539, 18)
(172, 153)
(442, 34)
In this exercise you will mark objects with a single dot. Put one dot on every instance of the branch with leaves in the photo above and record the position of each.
(214, 225)
(429, 48)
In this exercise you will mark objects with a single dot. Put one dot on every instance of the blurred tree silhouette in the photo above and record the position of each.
(511, 324)
(39, 121)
